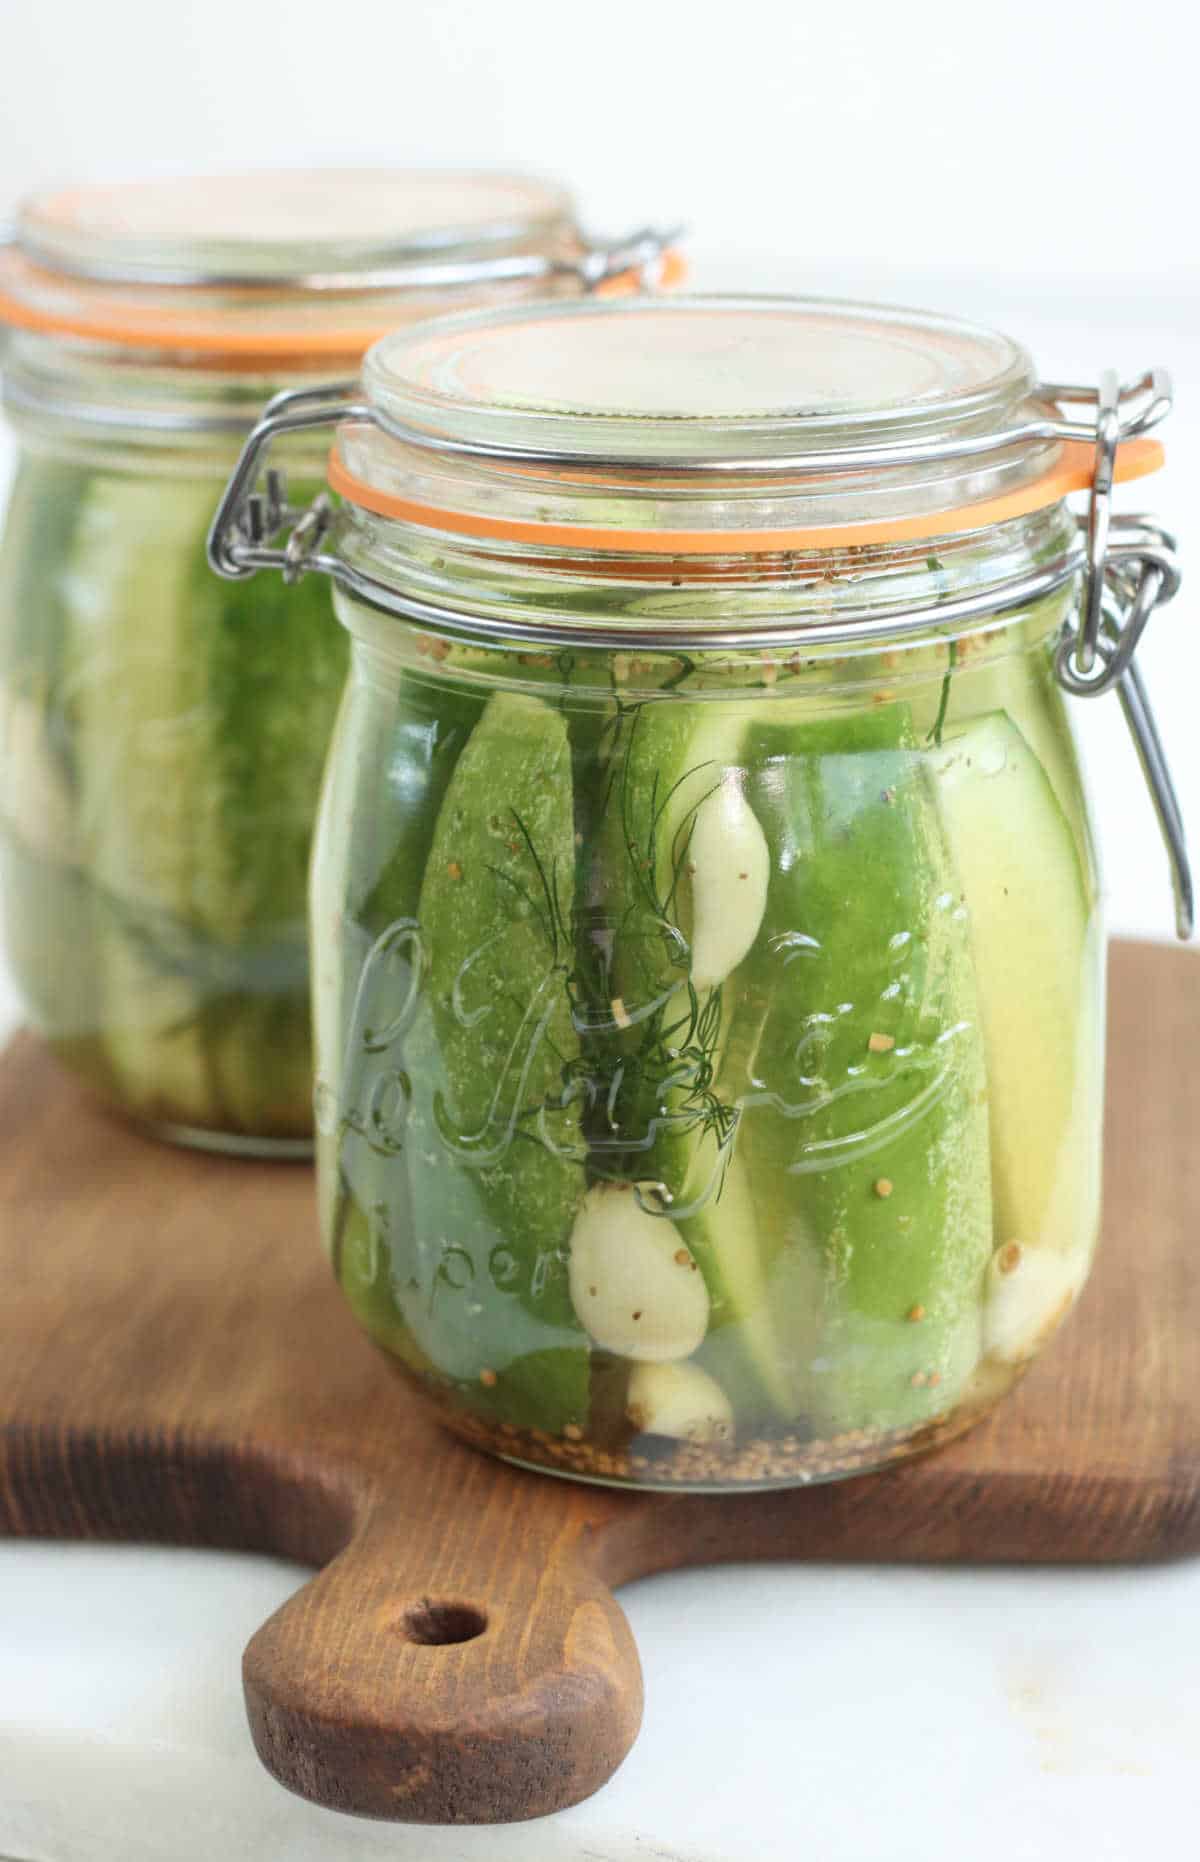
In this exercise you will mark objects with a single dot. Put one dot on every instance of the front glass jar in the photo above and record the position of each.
(709, 965)
(161, 732)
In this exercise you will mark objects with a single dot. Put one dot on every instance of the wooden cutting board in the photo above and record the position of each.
(175, 1364)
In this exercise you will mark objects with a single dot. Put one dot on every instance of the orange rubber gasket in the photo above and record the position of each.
(109, 319)
(1072, 472)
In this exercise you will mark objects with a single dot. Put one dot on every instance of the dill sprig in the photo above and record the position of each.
(635, 1077)
(936, 567)
(935, 735)
(654, 1070)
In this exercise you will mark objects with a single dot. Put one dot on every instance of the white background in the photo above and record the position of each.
(1029, 139)
(1031, 164)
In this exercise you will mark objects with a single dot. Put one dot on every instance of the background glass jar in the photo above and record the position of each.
(161, 741)
(709, 970)
(161, 732)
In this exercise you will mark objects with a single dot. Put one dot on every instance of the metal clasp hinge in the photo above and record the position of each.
(1131, 570)
(641, 255)
(241, 538)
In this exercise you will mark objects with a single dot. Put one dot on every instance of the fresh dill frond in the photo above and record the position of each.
(636, 1075)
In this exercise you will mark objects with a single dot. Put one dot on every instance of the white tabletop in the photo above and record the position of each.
(873, 1715)
(856, 1714)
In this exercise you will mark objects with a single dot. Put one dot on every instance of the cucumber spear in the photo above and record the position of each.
(858, 1059)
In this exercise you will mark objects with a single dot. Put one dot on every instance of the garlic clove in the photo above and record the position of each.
(1027, 1293)
(679, 1400)
(635, 1287)
(729, 864)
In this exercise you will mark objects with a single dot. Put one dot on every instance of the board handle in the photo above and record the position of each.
(457, 1662)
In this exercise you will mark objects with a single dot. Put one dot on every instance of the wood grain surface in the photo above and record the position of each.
(175, 1364)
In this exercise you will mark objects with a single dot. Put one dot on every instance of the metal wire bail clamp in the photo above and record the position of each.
(241, 535)
(1131, 570)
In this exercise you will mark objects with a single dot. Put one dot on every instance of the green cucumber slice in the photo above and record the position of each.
(199, 715)
(393, 755)
(142, 734)
(482, 1093)
(1039, 960)
(856, 1054)
(44, 896)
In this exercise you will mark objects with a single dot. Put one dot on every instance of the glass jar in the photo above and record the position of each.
(162, 733)
(709, 961)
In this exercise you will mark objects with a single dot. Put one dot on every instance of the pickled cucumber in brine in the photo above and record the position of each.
(861, 1067)
(694, 1123)
(164, 734)
(462, 1159)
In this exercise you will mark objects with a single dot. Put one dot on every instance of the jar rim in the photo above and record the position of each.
(692, 379)
(288, 227)
(325, 284)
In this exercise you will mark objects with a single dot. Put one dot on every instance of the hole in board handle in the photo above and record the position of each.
(435, 1623)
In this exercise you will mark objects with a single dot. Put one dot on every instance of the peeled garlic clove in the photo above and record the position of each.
(1027, 1292)
(680, 1400)
(729, 864)
(635, 1288)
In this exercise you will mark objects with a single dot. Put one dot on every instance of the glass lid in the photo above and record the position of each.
(691, 379)
(298, 267)
(706, 425)
(344, 225)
